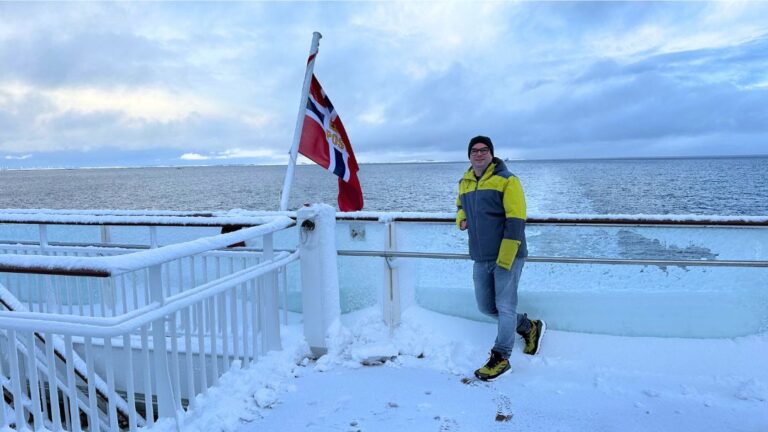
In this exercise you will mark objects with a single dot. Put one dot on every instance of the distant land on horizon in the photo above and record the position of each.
(625, 158)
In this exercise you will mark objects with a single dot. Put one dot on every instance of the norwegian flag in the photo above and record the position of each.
(324, 140)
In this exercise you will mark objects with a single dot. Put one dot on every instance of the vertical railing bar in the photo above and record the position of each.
(79, 295)
(135, 289)
(102, 283)
(93, 407)
(3, 420)
(34, 292)
(284, 274)
(43, 394)
(201, 351)
(34, 386)
(255, 317)
(52, 282)
(192, 272)
(130, 384)
(105, 237)
(188, 357)
(148, 407)
(213, 339)
(167, 275)
(89, 288)
(167, 285)
(200, 320)
(195, 316)
(43, 232)
(70, 298)
(233, 317)
(224, 333)
(123, 292)
(153, 237)
(111, 283)
(65, 405)
(180, 274)
(112, 404)
(219, 314)
(147, 295)
(175, 378)
(244, 319)
(53, 388)
(18, 398)
(204, 262)
(74, 409)
(260, 323)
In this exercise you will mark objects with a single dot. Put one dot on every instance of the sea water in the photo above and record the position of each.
(616, 299)
(713, 186)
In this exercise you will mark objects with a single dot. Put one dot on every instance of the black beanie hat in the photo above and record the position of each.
(480, 139)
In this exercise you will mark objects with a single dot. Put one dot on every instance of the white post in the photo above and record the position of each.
(105, 237)
(43, 230)
(165, 399)
(391, 295)
(319, 274)
(269, 303)
(299, 122)
(153, 237)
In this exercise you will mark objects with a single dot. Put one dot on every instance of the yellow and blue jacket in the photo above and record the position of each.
(494, 208)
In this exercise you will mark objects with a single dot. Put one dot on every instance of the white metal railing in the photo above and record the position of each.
(120, 337)
(727, 256)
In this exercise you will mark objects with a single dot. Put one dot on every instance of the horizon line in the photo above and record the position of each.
(391, 163)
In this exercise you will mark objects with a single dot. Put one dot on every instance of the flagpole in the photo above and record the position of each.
(299, 122)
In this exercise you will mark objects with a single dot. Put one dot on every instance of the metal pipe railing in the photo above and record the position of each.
(252, 218)
(577, 220)
(115, 265)
(220, 299)
(565, 260)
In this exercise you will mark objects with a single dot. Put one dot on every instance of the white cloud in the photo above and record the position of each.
(193, 157)
(204, 83)
(153, 104)
(235, 153)
(373, 115)
(22, 157)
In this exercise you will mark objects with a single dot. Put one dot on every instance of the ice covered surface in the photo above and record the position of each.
(608, 299)
(579, 382)
(118, 264)
(245, 217)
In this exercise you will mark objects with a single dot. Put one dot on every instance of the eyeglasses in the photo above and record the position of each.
(481, 151)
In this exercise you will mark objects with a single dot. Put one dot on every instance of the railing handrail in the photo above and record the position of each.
(575, 219)
(440, 255)
(115, 248)
(118, 264)
(114, 326)
(185, 220)
(251, 218)
(563, 260)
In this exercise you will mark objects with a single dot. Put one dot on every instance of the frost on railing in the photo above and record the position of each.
(664, 276)
(112, 338)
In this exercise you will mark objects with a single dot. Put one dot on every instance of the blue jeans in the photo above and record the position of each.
(496, 294)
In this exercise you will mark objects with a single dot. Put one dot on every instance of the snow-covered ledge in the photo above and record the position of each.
(319, 274)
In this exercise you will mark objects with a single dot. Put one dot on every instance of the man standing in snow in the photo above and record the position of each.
(491, 206)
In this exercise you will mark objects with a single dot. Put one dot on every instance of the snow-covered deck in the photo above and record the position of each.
(579, 382)
(706, 283)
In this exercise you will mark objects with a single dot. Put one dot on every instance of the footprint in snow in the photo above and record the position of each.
(503, 408)
(447, 425)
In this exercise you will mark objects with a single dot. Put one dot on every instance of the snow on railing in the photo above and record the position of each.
(120, 311)
(610, 274)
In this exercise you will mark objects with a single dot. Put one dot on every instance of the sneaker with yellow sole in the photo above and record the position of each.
(533, 337)
(495, 367)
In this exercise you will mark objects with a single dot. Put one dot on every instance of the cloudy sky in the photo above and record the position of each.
(124, 84)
